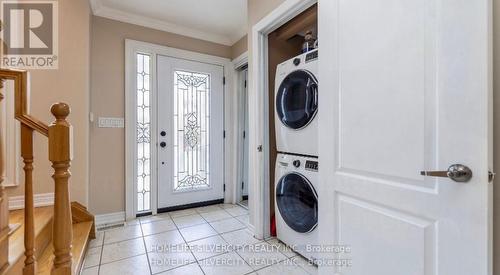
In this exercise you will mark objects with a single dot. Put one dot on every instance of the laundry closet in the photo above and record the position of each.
(293, 130)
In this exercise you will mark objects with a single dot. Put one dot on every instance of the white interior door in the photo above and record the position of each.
(190, 129)
(409, 89)
(245, 182)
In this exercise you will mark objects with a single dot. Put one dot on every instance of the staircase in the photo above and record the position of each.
(44, 240)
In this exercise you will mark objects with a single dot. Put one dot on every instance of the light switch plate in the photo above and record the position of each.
(111, 122)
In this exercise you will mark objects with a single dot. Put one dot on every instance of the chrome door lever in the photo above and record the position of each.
(456, 172)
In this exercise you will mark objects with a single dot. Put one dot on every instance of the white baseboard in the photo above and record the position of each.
(40, 200)
(111, 219)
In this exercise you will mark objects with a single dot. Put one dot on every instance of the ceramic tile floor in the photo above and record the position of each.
(206, 240)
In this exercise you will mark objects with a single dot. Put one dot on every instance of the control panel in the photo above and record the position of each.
(111, 122)
(311, 56)
(311, 165)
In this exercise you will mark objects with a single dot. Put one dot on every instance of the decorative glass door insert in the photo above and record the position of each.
(192, 134)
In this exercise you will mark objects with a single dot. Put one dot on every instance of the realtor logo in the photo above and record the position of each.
(29, 34)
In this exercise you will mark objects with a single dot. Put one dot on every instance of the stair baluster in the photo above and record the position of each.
(29, 207)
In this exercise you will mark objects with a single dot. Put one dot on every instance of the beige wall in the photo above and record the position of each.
(70, 84)
(239, 47)
(107, 150)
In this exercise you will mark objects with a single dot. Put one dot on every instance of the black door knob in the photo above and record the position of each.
(163, 133)
(163, 144)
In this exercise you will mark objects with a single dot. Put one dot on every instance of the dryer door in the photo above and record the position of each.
(297, 202)
(297, 99)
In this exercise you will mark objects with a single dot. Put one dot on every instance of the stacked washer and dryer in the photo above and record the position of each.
(296, 197)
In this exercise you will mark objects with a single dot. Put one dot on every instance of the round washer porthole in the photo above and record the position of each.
(297, 202)
(297, 99)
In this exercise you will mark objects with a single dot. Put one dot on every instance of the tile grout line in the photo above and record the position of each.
(100, 256)
(145, 249)
(168, 216)
(122, 241)
(182, 236)
(102, 250)
(233, 249)
(179, 228)
(253, 269)
(286, 257)
(125, 258)
(233, 217)
(209, 237)
(262, 242)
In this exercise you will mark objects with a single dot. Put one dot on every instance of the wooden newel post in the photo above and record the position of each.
(60, 154)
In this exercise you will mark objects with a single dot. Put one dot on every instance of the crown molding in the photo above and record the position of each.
(100, 10)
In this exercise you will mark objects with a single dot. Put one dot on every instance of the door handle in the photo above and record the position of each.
(456, 172)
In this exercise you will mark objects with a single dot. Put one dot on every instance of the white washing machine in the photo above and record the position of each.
(296, 203)
(296, 105)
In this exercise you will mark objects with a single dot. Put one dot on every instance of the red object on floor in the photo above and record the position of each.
(273, 226)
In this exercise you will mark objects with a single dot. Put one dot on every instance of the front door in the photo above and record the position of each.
(190, 132)
(409, 90)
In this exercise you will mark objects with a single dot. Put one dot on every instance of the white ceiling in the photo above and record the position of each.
(220, 21)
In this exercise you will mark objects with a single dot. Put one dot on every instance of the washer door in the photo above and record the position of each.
(297, 202)
(297, 99)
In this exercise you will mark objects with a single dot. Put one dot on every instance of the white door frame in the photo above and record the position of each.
(238, 63)
(259, 203)
(132, 47)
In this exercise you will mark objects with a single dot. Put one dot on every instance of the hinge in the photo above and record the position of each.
(244, 134)
(224, 187)
(491, 176)
(245, 83)
(224, 80)
(224, 134)
(242, 185)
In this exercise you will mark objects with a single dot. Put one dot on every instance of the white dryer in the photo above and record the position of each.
(296, 105)
(296, 203)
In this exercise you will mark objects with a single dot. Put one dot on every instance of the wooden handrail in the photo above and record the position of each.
(21, 94)
(60, 144)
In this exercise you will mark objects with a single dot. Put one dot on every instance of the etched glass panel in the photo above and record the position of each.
(143, 133)
(191, 124)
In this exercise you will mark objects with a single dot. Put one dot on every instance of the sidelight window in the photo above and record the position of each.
(143, 132)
